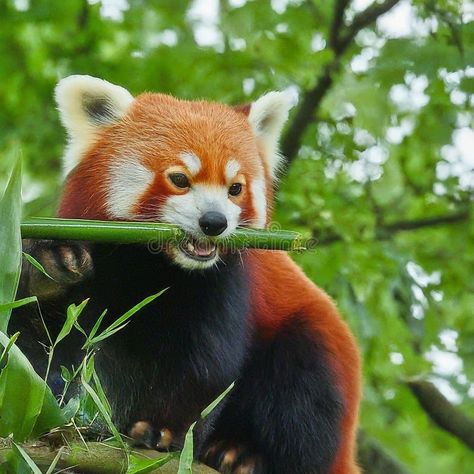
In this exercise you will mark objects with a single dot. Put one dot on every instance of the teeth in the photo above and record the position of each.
(200, 249)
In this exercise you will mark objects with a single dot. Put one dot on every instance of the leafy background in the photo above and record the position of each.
(380, 165)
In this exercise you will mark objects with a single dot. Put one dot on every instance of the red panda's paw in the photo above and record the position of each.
(66, 263)
(142, 433)
(233, 458)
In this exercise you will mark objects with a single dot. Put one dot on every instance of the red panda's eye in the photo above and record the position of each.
(235, 189)
(180, 180)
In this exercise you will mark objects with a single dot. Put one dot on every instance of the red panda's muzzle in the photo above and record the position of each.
(199, 250)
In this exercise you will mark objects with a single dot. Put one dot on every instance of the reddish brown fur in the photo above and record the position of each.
(217, 133)
(281, 290)
(214, 132)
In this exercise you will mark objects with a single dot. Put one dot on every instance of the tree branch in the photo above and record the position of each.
(338, 43)
(83, 16)
(304, 116)
(442, 412)
(427, 222)
(404, 225)
(337, 22)
(364, 19)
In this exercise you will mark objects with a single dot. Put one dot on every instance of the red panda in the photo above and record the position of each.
(250, 316)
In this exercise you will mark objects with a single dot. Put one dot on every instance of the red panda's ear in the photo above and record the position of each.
(242, 108)
(85, 105)
(267, 115)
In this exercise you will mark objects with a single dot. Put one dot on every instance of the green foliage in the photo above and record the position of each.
(379, 155)
(21, 462)
(27, 405)
(10, 243)
(141, 465)
(37, 265)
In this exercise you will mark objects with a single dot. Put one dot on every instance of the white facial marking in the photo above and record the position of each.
(192, 162)
(186, 209)
(259, 196)
(231, 169)
(128, 181)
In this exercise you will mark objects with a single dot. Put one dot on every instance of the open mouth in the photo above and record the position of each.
(199, 250)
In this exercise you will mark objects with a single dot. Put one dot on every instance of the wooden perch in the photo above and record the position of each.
(92, 458)
(99, 458)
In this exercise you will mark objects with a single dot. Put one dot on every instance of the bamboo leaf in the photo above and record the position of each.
(73, 312)
(120, 323)
(80, 329)
(216, 402)
(20, 452)
(102, 408)
(95, 328)
(10, 242)
(71, 408)
(140, 465)
(101, 393)
(103, 412)
(133, 310)
(66, 374)
(88, 368)
(105, 335)
(37, 264)
(18, 303)
(6, 350)
(27, 406)
(55, 460)
(187, 454)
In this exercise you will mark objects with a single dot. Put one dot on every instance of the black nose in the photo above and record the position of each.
(213, 223)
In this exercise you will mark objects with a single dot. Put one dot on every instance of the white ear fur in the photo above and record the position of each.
(85, 105)
(267, 116)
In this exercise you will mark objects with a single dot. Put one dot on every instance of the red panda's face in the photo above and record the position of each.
(203, 166)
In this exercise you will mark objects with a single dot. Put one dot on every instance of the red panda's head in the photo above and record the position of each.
(205, 166)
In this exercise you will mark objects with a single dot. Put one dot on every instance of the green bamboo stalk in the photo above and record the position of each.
(155, 234)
